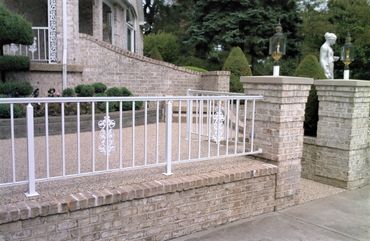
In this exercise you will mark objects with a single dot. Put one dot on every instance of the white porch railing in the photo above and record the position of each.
(38, 51)
(116, 141)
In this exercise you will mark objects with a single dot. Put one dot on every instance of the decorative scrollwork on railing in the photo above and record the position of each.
(53, 31)
(33, 47)
(218, 125)
(106, 135)
(13, 48)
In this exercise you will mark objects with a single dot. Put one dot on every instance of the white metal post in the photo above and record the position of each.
(168, 138)
(187, 115)
(31, 153)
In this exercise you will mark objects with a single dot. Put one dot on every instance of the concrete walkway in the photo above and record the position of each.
(344, 216)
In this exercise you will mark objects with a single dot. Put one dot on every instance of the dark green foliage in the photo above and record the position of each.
(14, 63)
(192, 61)
(197, 69)
(69, 92)
(99, 87)
(166, 43)
(114, 91)
(14, 28)
(155, 54)
(16, 89)
(126, 92)
(247, 24)
(238, 65)
(17, 111)
(101, 106)
(85, 90)
(265, 66)
(310, 67)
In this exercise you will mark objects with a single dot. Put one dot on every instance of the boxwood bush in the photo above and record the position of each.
(16, 89)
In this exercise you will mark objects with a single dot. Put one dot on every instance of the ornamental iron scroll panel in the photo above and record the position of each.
(218, 125)
(52, 25)
(106, 126)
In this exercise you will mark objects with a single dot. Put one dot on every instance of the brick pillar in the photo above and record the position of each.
(215, 81)
(342, 132)
(98, 19)
(279, 128)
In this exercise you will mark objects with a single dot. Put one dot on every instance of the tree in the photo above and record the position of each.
(340, 17)
(166, 43)
(238, 65)
(13, 29)
(247, 24)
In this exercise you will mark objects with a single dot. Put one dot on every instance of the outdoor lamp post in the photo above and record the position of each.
(277, 47)
(347, 56)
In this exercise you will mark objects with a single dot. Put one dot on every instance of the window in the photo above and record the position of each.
(107, 23)
(130, 24)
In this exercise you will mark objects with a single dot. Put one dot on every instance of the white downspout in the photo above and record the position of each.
(65, 44)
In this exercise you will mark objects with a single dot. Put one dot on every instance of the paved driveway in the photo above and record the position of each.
(344, 216)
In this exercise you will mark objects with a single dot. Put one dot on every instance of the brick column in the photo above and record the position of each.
(342, 132)
(279, 128)
(98, 19)
(215, 81)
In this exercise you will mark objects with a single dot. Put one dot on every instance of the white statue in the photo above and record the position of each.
(327, 57)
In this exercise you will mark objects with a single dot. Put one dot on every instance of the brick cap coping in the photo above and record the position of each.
(309, 140)
(276, 80)
(32, 209)
(340, 82)
(44, 67)
(216, 73)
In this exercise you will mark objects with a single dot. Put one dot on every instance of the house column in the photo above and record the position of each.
(279, 128)
(342, 133)
(98, 19)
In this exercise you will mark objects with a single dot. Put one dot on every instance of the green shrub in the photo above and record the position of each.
(69, 92)
(197, 69)
(126, 92)
(238, 65)
(101, 105)
(16, 89)
(166, 43)
(192, 61)
(85, 90)
(310, 67)
(17, 111)
(14, 28)
(114, 91)
(14, 63)
(99, 88)
(155, 54)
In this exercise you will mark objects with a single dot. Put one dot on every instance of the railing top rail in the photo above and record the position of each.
(132, 98)
(209, 92)
(35, 27)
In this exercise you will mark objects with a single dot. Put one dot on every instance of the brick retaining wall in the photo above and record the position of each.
(156, 210)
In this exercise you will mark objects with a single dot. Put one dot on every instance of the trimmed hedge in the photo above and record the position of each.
(85, 90)
(69, 92)
(16, 89)
(310, 67)
(5, 111)
(238, 65)
(14, 28)
(14, 63)
(99, 88)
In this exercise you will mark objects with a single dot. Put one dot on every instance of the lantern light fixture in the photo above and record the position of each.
(277, 47)
(347, 55)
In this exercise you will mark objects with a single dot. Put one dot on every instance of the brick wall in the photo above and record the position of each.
(157, 210)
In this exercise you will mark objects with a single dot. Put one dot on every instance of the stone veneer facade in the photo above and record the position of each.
(279, 128)
(339, 155)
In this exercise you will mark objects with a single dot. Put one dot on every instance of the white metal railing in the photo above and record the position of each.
(120, 140)
(38, 51)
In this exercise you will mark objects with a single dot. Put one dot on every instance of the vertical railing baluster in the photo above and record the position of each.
(120, 136)
(157, 134)
(145, 132)
(168, 138)
(63, 142)
(47, 140)
(78, 139)
(133, 133)
(236, 126)
(190, 109)
(179, 132)
(245, 123)
(187, 116)
(218, 129)
(93, 134)
(252, 134)
(31, 153)
(209, 126)
(38, 44)
(13, 141)
(200, 129)
(45, 51)
(196, 127)
(107, 147)
(227, 126)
